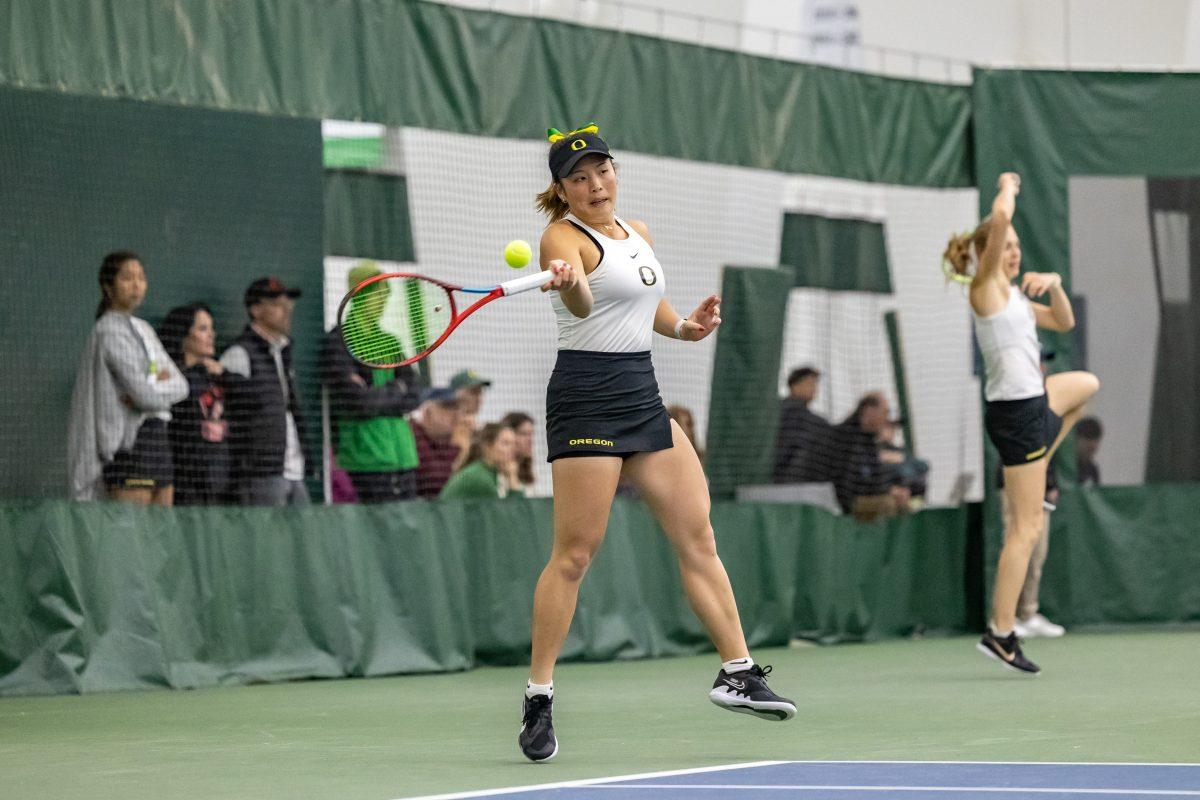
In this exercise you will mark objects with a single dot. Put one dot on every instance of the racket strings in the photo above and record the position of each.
(396, 319)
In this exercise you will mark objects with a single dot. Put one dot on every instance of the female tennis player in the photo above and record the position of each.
(1026, 415)
(117, 442)
(605, 420)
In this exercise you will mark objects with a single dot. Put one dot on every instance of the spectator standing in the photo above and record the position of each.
(263, 413)
(198, 430)
(804, 449)
(522, 427)
(1088, 434)
(117, 443)
(489, 461)
(433, 428)
(375, 443)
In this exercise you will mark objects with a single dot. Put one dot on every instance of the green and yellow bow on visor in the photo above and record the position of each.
(554, 134)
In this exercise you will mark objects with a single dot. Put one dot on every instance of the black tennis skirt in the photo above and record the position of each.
(1022, 430)
(604, 404)
(147, 465)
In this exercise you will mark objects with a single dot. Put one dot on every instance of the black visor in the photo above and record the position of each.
(564, 157)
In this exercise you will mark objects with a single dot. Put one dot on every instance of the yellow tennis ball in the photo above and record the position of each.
(517, 253)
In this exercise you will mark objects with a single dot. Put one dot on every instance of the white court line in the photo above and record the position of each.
(828, 788)
(601, 782)
(590, 781)
(1016, 763)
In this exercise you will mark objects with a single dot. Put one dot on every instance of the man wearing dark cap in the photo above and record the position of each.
(373, 438)
(468, 386)
(433, 427)
(264, 417)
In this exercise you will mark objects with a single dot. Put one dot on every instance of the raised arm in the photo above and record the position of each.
(560, 252)
(991, 268)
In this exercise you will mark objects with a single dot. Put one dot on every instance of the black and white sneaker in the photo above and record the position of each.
(537, 739)
(746, 692)
(1007, 650)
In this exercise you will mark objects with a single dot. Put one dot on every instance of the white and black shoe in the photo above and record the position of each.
(537, 739)
(746, 692)
(1007, 650)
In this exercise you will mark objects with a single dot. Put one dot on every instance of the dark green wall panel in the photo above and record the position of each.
(840, 254)
(743, 414)
(209, 199)
(367, 216)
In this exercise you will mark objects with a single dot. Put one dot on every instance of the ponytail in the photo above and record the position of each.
(965, 248)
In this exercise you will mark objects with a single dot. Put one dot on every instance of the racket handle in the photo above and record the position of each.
(526, 282)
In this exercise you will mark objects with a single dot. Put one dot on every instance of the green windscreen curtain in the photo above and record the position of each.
(439, 67)
(834, 253)
(367, 216)
(743, 413)
(1049, 126)
(210, 200)
(1122, 555)
(102, 597)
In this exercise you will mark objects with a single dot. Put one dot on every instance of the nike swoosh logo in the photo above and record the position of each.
(634, 254)
(735, 684)
(1006, 655)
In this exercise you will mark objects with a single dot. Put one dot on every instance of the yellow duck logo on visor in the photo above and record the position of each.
(555, 135)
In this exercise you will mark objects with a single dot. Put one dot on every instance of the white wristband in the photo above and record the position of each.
(679, 327)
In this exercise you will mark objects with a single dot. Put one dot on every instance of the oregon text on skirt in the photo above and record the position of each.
(604, 404)
(1022, 430)
(147, 465)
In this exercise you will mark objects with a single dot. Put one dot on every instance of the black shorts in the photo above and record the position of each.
(1022, 430)
(147, 465)
(604, 404)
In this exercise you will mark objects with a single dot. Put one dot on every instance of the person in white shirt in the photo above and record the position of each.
(1026, 415)
(605, 420)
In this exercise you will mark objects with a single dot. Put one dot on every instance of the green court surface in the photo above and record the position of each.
(1128, 697)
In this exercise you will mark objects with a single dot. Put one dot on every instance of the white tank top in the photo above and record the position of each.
(626, 285)
(1011, 353)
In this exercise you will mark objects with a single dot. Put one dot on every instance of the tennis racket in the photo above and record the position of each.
(398, 318)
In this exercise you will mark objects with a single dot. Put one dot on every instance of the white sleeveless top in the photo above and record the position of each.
(1011, 353)
(626, 285)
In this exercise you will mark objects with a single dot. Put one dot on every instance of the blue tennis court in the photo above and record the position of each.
(880, 780)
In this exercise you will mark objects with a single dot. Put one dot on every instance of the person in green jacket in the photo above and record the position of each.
(374, 442)
(490, 467)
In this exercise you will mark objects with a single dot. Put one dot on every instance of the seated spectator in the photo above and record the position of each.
(1088, 434)
(433, 427)
(117, 443)
(865, 488)
(522, 426)
(687, 423)
(804, 446)
(469, 386)
(488, 468)
(906, 470)
(199, 444)
(264, 415)
(373, 440)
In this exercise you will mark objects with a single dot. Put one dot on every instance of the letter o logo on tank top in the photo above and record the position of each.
(648, 276)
